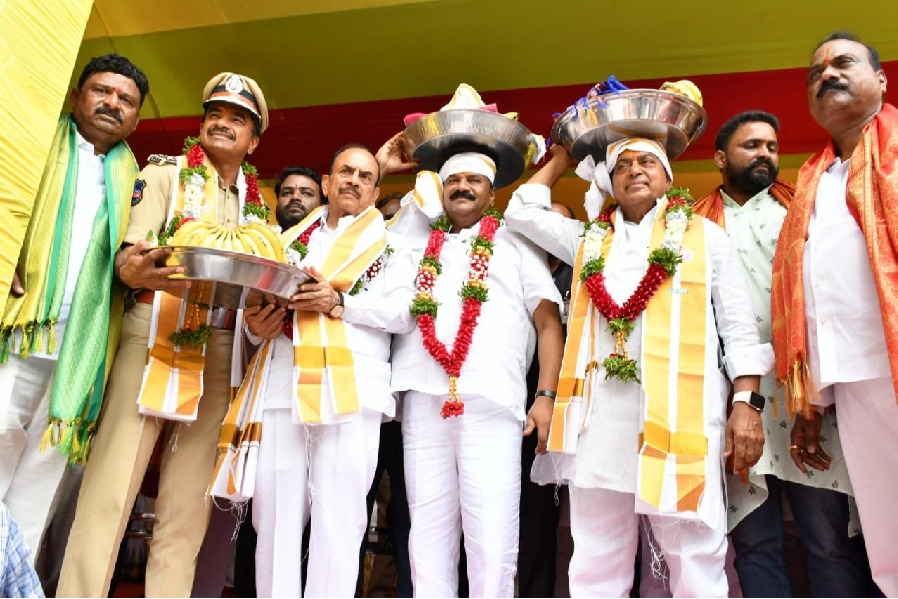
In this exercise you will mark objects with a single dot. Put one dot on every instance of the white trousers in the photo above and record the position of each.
(868, 428)
(605, 528)
(29, 479)
(462, 474)
(323, 472)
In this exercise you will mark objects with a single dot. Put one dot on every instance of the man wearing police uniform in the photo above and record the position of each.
(235, 116)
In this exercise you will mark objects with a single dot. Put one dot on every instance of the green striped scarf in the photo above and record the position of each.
(94, 322)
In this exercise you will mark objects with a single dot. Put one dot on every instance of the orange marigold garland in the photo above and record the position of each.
(473, 293)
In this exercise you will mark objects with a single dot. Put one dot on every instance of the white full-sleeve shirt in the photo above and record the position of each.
(607, 450)
(846, 339)
(90, 192)
(504, 339)
(380, 309)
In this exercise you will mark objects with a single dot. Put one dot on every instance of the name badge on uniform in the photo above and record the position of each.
(137, 194)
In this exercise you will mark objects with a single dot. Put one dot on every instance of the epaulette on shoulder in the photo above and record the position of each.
(162, 159)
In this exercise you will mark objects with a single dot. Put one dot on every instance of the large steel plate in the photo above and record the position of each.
(434, 138)
(220, 278)
(587, 128)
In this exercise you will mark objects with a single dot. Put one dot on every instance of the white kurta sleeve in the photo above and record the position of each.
(528, 214)
(744, 354)
(253, 339)
(385, 303)
(536, 278)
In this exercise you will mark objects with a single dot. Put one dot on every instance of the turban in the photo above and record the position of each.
(599, 175)
(469, 162)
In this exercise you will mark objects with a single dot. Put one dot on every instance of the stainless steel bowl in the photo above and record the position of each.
(588, 129)
(233, 280)
(433, 138)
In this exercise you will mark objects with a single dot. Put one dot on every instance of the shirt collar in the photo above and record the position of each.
(86, 146)
(467, 232)
(342, 223)
(648, 218)
(731, 203)
(838, 164)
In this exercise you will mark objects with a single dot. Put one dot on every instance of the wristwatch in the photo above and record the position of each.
(755, 400)
(337, 310)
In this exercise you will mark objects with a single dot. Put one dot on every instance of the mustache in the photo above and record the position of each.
(762, 160)
(213, 130)
(354, 190)
(103, 109)
(462, 193)
(295, 204)
(830, 84)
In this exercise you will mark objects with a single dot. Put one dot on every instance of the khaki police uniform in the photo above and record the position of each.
(125, 439)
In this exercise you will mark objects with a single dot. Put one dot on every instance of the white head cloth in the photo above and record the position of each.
(469, 162)
(599, 175)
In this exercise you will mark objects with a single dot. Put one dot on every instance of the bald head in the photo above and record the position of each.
(562, 210)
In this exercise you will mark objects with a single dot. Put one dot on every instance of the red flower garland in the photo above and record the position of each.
(474, 293)
(304, 240)
(653, 278)
(663, 263)
(196, 158)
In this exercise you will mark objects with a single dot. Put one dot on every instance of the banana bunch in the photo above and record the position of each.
(252, 238)
(684, 87)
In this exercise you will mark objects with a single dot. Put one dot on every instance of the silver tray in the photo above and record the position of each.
(233, 280)
(433, 138)
(588, 129)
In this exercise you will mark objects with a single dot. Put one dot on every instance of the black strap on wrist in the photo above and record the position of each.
(546, 393)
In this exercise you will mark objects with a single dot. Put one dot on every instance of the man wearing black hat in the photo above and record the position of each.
(209, 183)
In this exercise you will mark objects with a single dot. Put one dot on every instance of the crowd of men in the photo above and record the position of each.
(680, 369)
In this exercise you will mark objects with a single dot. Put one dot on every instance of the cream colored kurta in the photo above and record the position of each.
(754, 228)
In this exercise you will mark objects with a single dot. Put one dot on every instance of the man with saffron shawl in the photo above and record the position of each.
(641, 407)
(835, 328)
(174, 361)
(60, 325)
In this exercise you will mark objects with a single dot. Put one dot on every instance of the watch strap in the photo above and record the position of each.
(755, 400)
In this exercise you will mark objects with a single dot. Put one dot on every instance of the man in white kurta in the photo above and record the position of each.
(30, 477)
(463, 472)
(603, 472)
(834, 326)
(323, 471)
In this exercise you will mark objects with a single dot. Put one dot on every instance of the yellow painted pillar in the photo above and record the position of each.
(39, 41)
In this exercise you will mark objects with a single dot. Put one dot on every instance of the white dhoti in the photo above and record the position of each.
(323, 472)
(462, 474)
(29, 479)
(605, 528)
(868, 427)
